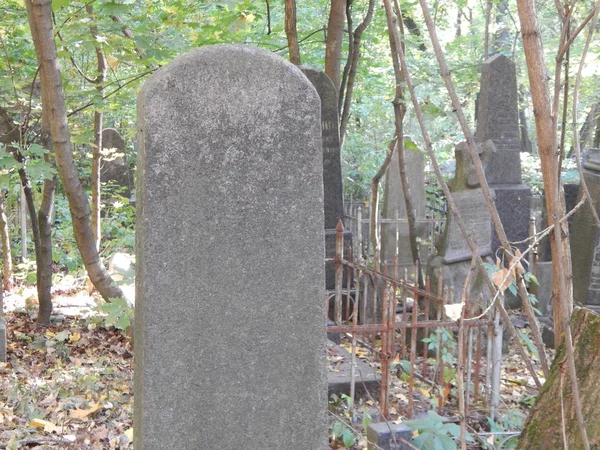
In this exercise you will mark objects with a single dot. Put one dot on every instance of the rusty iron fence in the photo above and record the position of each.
(391, 314)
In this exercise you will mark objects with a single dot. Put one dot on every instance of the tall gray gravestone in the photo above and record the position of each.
(395, 238)
(498, 121)
(332, 167)
(230, 324)
(114, 165)
(585, 238)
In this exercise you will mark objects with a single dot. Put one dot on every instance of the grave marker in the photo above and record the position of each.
(114, 166)
(585, 238)
(230, 321)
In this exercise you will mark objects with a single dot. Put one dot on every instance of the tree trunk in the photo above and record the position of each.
(45, 222)
(40, 21)
(545, 427)
(291, 32)
(335, 36)
(7, 270)
(546, 136)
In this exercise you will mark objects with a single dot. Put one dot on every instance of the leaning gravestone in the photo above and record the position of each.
(454, 261)
(230, 324)
(585, 238)
(114, 166)
(395, 237)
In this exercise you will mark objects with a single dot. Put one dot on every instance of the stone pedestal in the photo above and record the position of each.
(585, 239)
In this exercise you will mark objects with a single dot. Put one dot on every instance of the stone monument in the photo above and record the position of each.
(498, 121)
(585, 238)
(394, 207)
(230, 322)
(114, 167)
(332, 167)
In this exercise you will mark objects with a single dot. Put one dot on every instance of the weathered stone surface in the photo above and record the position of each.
(476, 217)
(385, 436)
(230, 324)
(394, 207)
(332, 167)
(513, 203)
(498, 120)
(585, 239)
(339, 376)
(465, 176)
(114, 165)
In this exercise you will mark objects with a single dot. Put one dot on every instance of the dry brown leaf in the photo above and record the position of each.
(83, 413)
(501, 279)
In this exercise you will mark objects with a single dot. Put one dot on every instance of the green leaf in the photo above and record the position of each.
(57, 4)
(338, 428)
(62, 336)
(348, 438)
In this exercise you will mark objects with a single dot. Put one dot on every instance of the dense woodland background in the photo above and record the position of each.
(71, 69)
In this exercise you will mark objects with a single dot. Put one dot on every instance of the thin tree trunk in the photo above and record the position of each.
(44, 263)
(7, 270)
(291, 32)
(354, 58)
(40, 21)
(559, 246)
(98, 125)
(333, 45)
(393, 21)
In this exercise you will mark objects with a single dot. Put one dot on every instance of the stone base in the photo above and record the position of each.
(330, 236)
(454, 276)
(339, 375)
(514, 208)
(383, 436)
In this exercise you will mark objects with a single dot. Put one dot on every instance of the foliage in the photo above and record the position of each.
(116, 313)
(343, 408)
(435, 433)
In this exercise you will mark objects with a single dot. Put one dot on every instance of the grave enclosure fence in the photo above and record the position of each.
(390, 315)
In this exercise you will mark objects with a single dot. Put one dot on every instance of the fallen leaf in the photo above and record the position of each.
(48, 427)
(83, 413)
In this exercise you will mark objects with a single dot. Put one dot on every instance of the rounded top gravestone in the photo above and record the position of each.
(230, 320)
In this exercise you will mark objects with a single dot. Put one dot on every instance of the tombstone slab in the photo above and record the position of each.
(114, 165)
(395, 236)
(585, 238)
(498, 119)
(332, 166)
(230, 321)
(476, 217)
(513, 203)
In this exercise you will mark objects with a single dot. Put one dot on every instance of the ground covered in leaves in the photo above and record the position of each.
(68, 386)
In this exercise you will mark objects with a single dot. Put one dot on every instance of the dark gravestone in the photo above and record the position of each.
(230, 324)
(498, 121)
(585, 238)
(114, 167)
(332, 168)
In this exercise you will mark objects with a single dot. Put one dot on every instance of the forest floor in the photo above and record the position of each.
(70, 385)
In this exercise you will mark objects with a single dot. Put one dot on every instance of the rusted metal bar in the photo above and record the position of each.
(378, 328)
(477, 367)
(413, 355)
(385, 359)
(339, 252)
(426, 313)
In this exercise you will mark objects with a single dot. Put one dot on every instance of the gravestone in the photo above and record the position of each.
(498, 121)
(585, 238)
(332, 168)
(453, 261)
(114, 167)
(395, 236)
(230, 325)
